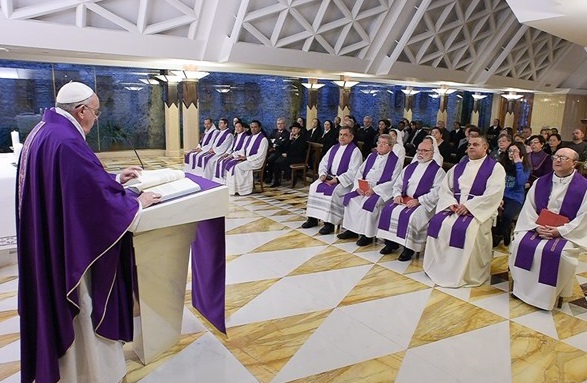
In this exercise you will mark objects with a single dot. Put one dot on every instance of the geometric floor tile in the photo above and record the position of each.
(237, 244)
(541, 321)
(329, 258)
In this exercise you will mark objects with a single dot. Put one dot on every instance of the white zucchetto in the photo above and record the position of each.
(73, 92)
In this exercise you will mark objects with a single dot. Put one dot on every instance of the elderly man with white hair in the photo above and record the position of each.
(363, 205)
(404, 219)
(550, 234)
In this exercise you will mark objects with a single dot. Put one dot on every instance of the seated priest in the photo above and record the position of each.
(222, 141)
(205, 144)
(337, 171)
(459, 244)
(550, 234)
(216, 169)
(239, 174)
(372, 187)
(404, 219)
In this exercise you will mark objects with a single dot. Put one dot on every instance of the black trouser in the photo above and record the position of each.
(503, 228)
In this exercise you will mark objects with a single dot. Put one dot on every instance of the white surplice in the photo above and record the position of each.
(219, 148)
(526, 285)
(221, 159)
(418, 222)
(359, 220)
(241, 179)
(449, 266)
(205, 145)
(329, 208)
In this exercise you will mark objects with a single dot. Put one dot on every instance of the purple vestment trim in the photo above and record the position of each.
(343, 166)
(385, 218)
(436, 223)
(369, 164)
(457, 234)
(222, 136)
(403, 220)
(371, 202)
(385, 177)
(208, 136)
(248, 152)
(347, 197)
(551, 257)
(326, 189)
(526, 250)
(425, 183)
(480, 182)
(573, 197)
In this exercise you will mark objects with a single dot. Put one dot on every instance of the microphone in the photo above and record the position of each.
(139, 158)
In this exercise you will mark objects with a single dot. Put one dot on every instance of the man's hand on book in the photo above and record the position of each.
(129, 174)
(147, 199)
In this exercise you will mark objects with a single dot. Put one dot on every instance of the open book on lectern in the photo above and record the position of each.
(170, 183)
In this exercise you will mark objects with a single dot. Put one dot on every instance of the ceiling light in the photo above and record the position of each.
(512, 96)
(133, 88)
(409, 91)
(168, 78)
(149, 81)
(312, 85)
(372, 92)
(11, 73)
(443, 90)
(478, 96)
(190, 75)
(434, 95)
(223, 89)
(345, 84)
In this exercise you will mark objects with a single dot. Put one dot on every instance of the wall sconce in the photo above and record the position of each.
(443, 90)
(133, 88)
(345, 84)
(434, 95)
(372, 92)
(409, 91)
(512, 96)
(312, 84)
(478, 96)
(223, 89)
(189, 75)
(149, 81)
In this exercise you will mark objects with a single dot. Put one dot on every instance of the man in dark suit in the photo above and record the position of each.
(278, 141)
(416, 138)
(366, 135)
(295, 153)
(315, 131)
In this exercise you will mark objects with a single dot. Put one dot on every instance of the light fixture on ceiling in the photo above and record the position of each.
(190, 75)
(389, 91)
(443, 90)
(9, 73)
(478, 96)
(312, 84)
(512, 96)
(223, 89)
(410, 91)
(434, 95)
(372, 92)
(149, 81)
(344, 83)
(133, 88)
(168, 78)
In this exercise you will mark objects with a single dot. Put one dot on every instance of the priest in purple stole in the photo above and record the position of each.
(206, 142)
(215, 170)
(404, 219)
(239, 174)
(221, 143)
(337, 171)
(75, 253)
(543, 259)
(459, 244)
(362, 207)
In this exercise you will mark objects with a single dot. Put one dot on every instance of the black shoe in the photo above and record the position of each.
(268, 180)
(311, 222)
(507, 238)
(328, 228)
(347, 235)
(387, 249)
(406, 255)
(496, 240)
(275, 185)
(364, 241)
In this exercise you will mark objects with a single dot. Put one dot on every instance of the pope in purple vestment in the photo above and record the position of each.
(73, 242)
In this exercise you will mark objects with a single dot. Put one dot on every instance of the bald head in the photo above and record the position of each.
(564, 161)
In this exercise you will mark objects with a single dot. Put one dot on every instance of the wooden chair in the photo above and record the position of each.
(313, 152)
(259, 174)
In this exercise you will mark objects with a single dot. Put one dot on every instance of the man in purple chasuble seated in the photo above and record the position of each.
(337, 171)
(362, 206)
(404, 218)
(543, 258)
(459, 244)
(75, 254)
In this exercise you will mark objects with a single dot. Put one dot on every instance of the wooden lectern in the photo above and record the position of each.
(162, 249)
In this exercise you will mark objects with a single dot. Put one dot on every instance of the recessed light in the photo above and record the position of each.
(2, 49)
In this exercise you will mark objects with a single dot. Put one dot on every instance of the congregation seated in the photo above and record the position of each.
(458, 248)
(555, 142)
(578, 144)
(215, 169)
(404, 218)
(220, 144)
(503, 142)
(544, 252)
(329, 137)
(294, 153)
(363, 205)
(278, 144)
(239, 170)
(337, 171)
(539, 159)
(206, 141)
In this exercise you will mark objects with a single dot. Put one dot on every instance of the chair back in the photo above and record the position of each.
(313, 157)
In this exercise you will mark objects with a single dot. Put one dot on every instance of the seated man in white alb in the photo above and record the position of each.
(239, 175)
(206, 141)
(222, 141)
(404, 219)
(544, 255)
(459, 245)
(216, 168)
(362, 207)
(337, 171)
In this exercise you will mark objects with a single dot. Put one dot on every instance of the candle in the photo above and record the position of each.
(15, 138)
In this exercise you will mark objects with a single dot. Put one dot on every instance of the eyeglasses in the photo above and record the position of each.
(534, 142)
(96, 112)
(562, 158)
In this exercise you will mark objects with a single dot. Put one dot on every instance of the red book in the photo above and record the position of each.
(364, 185)
(548, 218)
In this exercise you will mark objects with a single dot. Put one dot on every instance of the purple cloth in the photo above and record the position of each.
(436, 223)
(385, 218)
(72, 217)
(526, 250)
(250, 150)
(459, 229)
(343, 166)
(573, 197)
(221, 137)
(403, 220)
(208, 136)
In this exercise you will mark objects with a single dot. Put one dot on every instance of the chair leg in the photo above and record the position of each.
(559, 303)
(304, 177)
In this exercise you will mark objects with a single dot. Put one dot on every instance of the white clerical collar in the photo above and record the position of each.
(562, 180)
(478, 160)
(67, 115)
(383, 155)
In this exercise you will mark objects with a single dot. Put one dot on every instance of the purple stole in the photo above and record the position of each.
(203, 159)
(206, 139)
(552, 251)
(457, 235)
(237, 144)
(343, 166)
(252, 151)
(425, 184)
(386, 175)
(208, 136)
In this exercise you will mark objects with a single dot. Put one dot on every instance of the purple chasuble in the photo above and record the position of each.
(386, 175)
(343, 166)
(425, 184)
(458, 231)
(552, 251)
(72, 218)
(250, 150)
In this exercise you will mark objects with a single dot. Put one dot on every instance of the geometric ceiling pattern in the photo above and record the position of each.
(478, 42)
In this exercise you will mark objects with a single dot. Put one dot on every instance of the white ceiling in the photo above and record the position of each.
(475, 44)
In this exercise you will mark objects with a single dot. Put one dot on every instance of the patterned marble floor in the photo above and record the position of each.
(302, 307)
